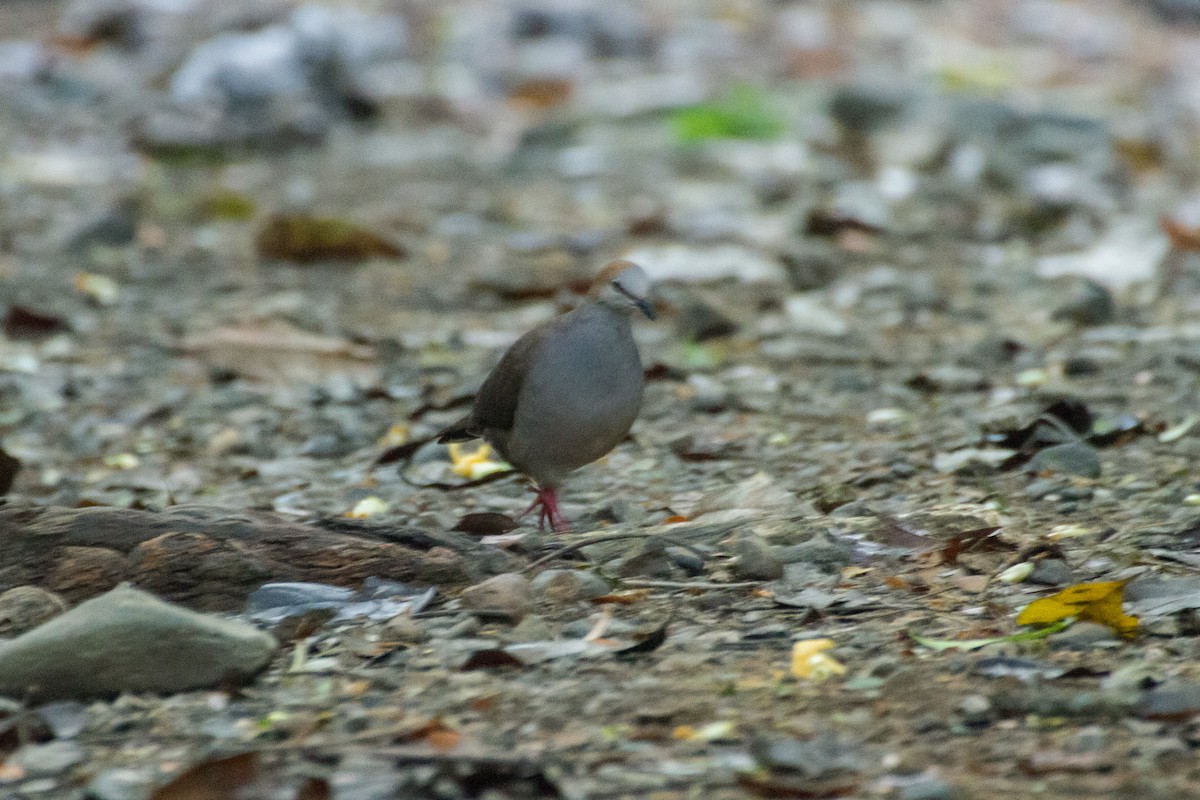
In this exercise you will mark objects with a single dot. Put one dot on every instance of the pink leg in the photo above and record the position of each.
(546, 503)
(550, 506)
(537, 503)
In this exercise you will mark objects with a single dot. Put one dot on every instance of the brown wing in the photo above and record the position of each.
(459, 431)
(496, 403)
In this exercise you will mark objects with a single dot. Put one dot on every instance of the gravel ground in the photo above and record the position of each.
(927, 352)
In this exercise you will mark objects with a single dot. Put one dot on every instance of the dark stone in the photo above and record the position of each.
(1092, 304)
(698, 322)
(811, 264)
(1051, 572)
(1069, 458)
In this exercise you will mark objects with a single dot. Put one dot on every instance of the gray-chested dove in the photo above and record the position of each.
(568, 391)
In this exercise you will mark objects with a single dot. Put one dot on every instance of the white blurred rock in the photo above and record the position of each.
(349, 36)
(1129, 253)
(708, 264)
(21, 60)
(242, 66)
(810, 312)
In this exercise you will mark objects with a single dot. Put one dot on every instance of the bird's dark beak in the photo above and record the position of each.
(642, 303)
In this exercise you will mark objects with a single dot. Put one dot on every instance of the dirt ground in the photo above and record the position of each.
(928, 351)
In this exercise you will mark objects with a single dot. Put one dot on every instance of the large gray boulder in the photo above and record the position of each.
(129, 641)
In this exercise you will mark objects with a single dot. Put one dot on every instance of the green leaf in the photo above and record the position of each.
(743, 113)
(939, 645)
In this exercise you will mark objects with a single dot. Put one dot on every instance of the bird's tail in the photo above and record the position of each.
(460, 431)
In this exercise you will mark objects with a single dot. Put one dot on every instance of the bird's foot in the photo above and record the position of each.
(546, 503)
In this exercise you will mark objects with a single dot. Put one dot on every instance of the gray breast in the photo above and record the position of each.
(580, 396)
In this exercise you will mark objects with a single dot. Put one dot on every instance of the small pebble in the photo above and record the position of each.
(756, 559)
(507, 595)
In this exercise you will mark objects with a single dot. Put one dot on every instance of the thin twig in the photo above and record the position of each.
(610, 537)
(1069, 434)
(588, 542)
(454, 487)
(636, 583)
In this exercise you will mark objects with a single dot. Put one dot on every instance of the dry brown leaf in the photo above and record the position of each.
(626, 598)
(218, 779)
(315, 789)
(971, 584)
(444, 739)
(277, 352)
(1182, 237)
(541, 93)
(305, 238)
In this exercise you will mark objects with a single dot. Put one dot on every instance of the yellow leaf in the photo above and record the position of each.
(1097, 602)
(396, 435)
(101, 289)
(810, 663)
(712, 732)
(367, 507)
(474, 464)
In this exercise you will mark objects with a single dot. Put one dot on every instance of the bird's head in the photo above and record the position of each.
(623, 284)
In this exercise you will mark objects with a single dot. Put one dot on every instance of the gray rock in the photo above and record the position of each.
(530, 629)
(66, 719)
(950, 378)
(992, 351)
(111, 227)
(129, 641)
(568, 585)
(1177, 10)
(1173, 701)
(1051, 572)
(1131, 250)
(1042, 487)
(122, 784)
(347, 37)
(755, 496)
(690, 562)
(810, 312)
(823, 757)
(811, 264)
(772, 630)
(687, 264)
(47, 760)
(651, 561)
(710, 396)
(25, 607)
(698, 321)
(200, 129)
(867, 108)
(404, 629)
(757, 560)
(823, 550)
(971, 461)
(620, 509)
(297, 595)
(1070, 458)
(1092, 304)
(326, 445)
(507, 595)
(976, 710)
(1083, 636)
(463, 628)
(932, 789)
(242, 66)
